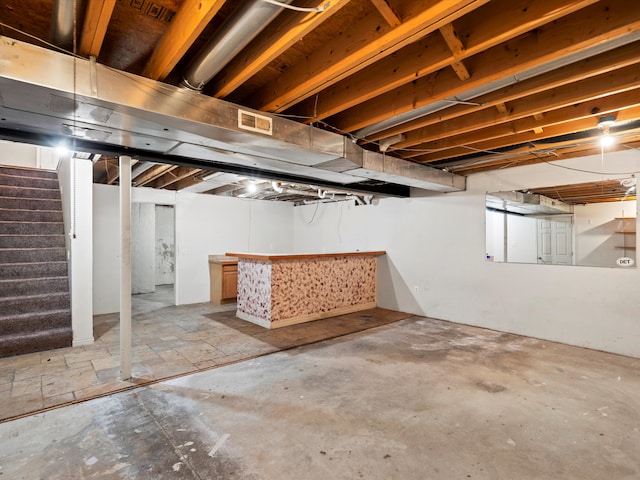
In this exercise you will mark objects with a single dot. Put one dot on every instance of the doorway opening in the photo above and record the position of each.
(153, 258)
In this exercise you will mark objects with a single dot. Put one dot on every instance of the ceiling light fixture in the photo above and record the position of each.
(605, 123)
(251, 187)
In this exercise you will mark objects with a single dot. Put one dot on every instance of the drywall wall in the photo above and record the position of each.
(205, 225)
(435, 263)
(143, 248)
(76, 178)
(165, 252)
(31, 156)
(212, 225)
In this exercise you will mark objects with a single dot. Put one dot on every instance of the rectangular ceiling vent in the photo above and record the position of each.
(254, 122)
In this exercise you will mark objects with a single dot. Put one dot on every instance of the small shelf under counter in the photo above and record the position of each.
(223, 278)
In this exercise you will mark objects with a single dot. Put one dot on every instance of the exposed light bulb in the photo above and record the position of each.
(251, 187)
(605, 123)
(607, 139)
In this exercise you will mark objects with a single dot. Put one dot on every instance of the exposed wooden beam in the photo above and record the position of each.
(586, 28)
(609, 104)
(151, 174)
(97, 17)
(453, 41)
(270, 44)
(506, 137)
(366, 43)
(225, 188)
(194, 178)
(502, 108)
(189, 22)
(106, 170)
(531, 158)
(603, 63)
(531, 106)
(431, 54)
(457, 49)
(387, 12)
(172, 176)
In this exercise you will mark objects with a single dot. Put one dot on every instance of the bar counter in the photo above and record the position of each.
(285, 289)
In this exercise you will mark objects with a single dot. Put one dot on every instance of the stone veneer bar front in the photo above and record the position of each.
(279, 290)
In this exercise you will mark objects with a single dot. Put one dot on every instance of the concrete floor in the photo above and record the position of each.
(167, 341)
(416, 399)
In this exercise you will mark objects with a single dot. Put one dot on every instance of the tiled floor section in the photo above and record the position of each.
(167, 341)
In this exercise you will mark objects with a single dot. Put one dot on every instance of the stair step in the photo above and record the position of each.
(28, 172)
(24, 181)
(31, 241)
(34, 303)
(29, 192)
(30, 203)
(19, 344)
(33, 270)
(31, 228)
(32, 322)
(29, 255)
(14, 287)
(21, 215)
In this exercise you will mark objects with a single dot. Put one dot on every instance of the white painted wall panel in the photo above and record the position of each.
(436, 262)
(205, 225)
(143, 248)
(165, 243)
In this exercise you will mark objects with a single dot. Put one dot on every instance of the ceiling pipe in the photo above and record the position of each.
(66, 15)
(235, 34)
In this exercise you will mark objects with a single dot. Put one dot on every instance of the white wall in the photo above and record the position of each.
(435, 263)
(76, 178)
(205, 225)
(208, 225)
(165, 243)
(31, 156)
(143, 248)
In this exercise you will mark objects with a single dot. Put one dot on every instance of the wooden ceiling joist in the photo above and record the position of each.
(172, 176)
(387, 12)
(367, 42)
(457, 49)
(533, 157)
(151, 174)
(586, 28)
(193, 179)
(188, 23)
(432, 54)
(94, 29)
(271, 43)
(606, 62)
(568, 115)
(499, 137)
(533, 106)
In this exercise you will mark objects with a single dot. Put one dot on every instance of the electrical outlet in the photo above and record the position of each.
(415, 288)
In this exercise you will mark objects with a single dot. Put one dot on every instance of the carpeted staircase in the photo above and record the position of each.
(34, 286)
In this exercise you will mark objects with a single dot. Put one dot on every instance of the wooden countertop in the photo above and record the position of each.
(297, 256)
(223, 259)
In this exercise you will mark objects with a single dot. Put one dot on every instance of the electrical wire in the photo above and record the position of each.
(299, 9)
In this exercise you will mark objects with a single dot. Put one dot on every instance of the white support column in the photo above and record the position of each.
(125, 267)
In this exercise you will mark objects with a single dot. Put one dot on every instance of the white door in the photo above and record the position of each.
(555, 240)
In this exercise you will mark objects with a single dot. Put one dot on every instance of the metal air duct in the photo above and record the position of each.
(66, 14)
(236, 33)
